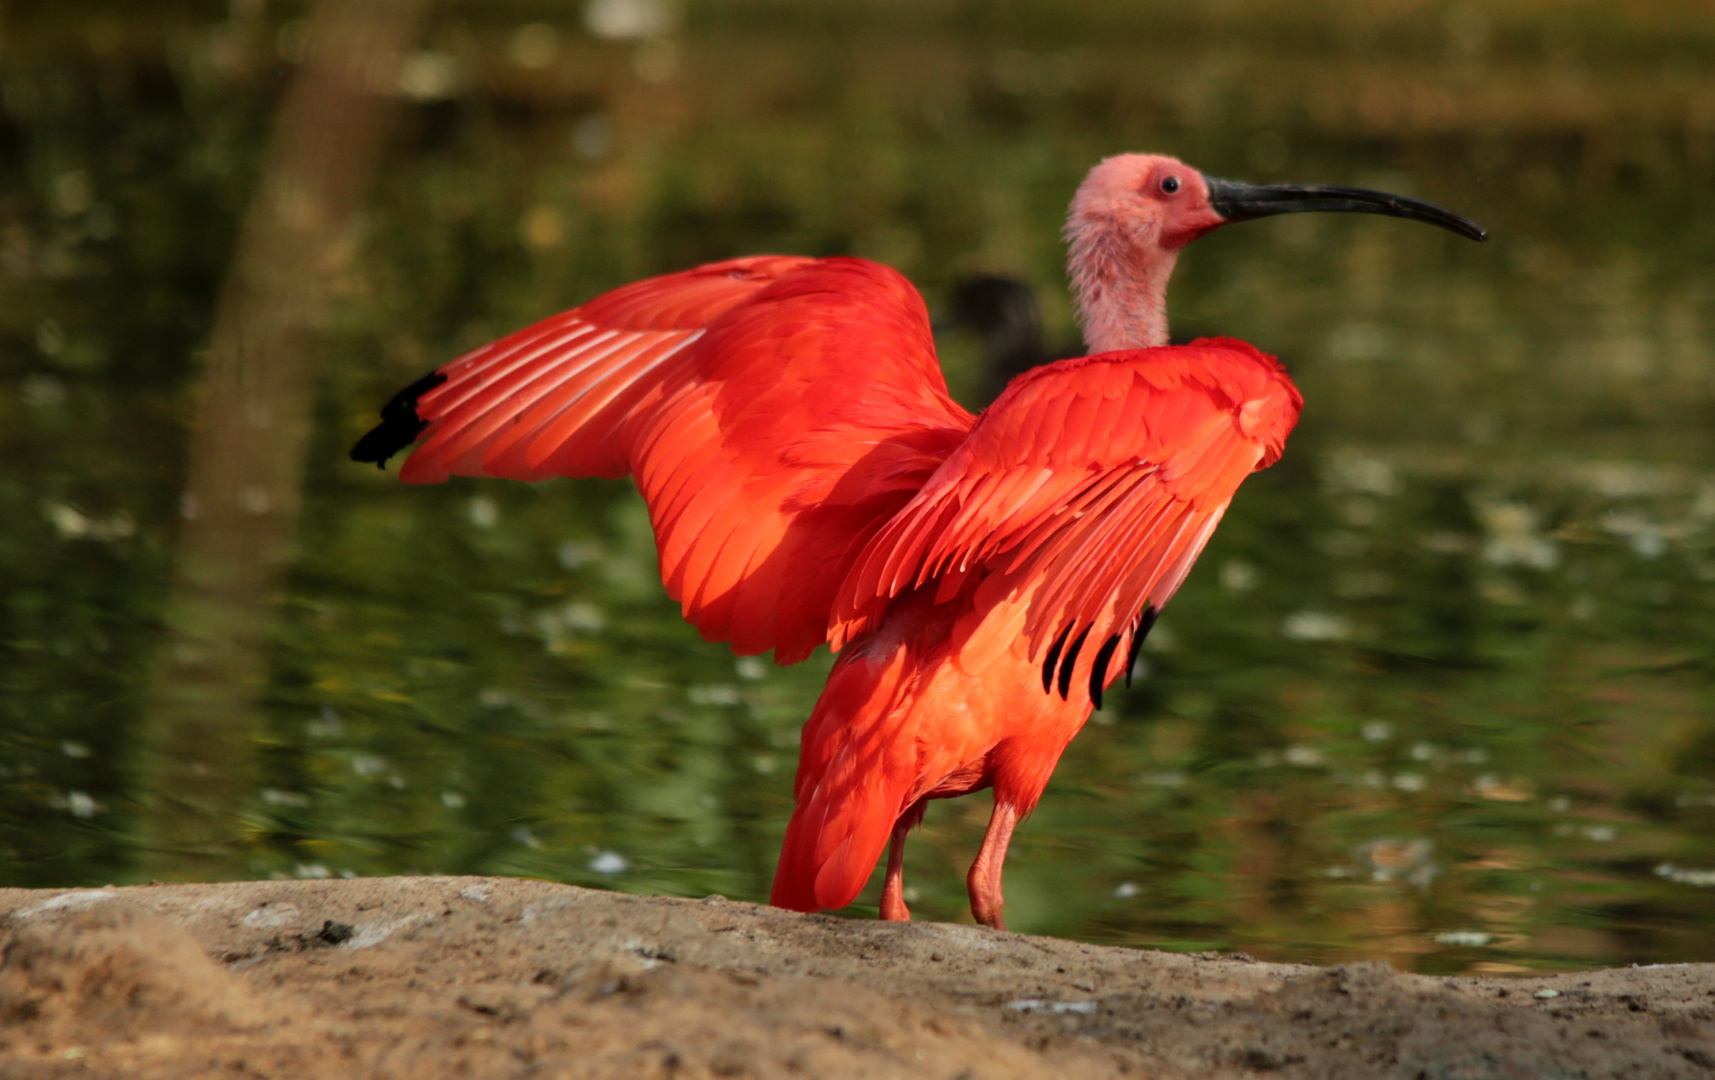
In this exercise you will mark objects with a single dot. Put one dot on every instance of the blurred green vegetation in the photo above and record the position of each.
(1439, 691)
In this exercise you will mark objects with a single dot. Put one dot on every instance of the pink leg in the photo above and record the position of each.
(983, 881)
(893, 907)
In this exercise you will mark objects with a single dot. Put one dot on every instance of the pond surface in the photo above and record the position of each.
(1441, 691)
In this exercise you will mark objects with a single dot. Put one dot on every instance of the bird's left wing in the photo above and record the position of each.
(1092, 485)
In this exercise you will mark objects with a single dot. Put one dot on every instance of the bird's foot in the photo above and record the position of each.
(893, 907)
(988, 912)
(983, 882)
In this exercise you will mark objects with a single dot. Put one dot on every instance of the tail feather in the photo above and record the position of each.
(854, 780)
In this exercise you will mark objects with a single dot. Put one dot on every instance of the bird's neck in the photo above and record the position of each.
(1120, 287)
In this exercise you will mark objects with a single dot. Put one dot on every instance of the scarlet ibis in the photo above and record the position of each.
(982, 578)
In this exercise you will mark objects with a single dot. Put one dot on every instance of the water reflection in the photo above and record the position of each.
(1439, 692)
(245, 456)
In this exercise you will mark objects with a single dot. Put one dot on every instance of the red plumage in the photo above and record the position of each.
(810, 480)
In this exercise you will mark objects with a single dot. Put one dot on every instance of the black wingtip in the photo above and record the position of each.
(1052, 659)
(386, 439)
(1099, 670)
(399, 425)
(1069, 661)
(1145, 622)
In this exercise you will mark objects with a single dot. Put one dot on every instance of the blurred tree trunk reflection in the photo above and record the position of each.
(245, 459)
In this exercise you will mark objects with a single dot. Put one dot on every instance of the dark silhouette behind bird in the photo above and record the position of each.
(1003, 311)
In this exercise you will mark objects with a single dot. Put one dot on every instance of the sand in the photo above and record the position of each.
(492, 977)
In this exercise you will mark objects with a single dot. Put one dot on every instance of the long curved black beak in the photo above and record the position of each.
(1236, 200)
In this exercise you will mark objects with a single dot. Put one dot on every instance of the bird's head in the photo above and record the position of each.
(1133, 213)
(1141, 203)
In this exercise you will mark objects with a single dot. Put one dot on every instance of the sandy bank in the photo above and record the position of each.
(489, 977)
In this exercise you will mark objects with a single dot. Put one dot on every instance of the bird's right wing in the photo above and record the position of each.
(775, 412)
(817, 411)
(549, 399)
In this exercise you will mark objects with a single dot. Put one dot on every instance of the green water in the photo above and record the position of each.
(1439, 692)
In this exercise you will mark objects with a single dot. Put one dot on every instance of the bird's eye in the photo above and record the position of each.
(1170, 185)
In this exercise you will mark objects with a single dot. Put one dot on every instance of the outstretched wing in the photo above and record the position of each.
(817, 412)
(549, 400)
(1094, 484)
(775, 412)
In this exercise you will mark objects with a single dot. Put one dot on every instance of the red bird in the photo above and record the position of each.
(982, 578)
